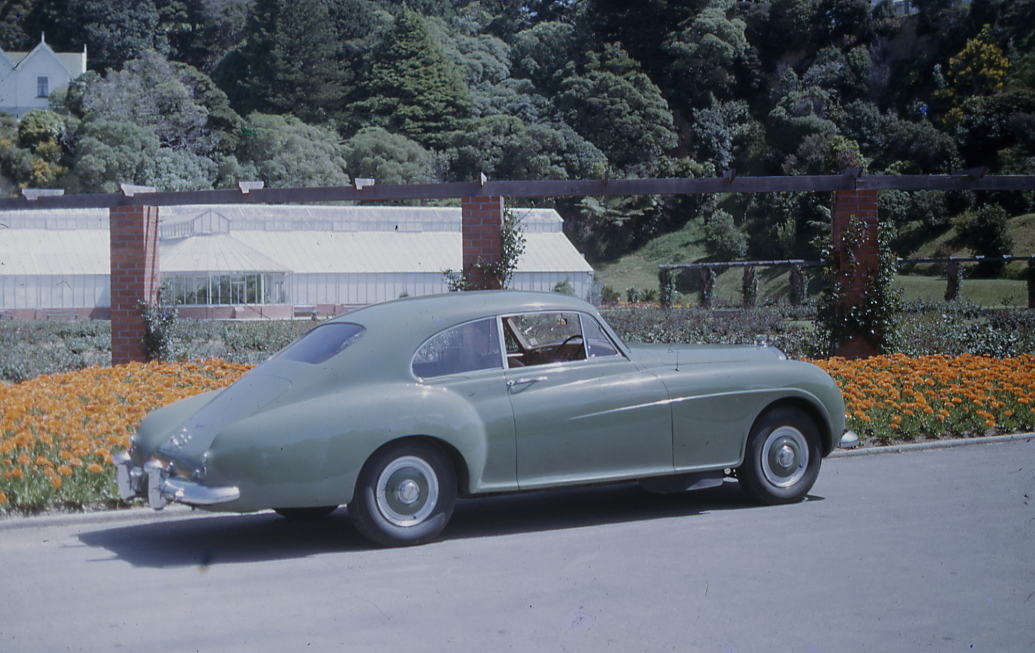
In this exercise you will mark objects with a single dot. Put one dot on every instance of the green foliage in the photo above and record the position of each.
(411, 87)
(706, 52)
(109, 152)
(564, 287)
(288, 62)
(615, 106)
(159, 318)
(609, 296)
(285, 152)
(148, 93)
(39, 126)
(726, 134)
(873, 317)
(984, 231)
(389, 158)
(29, 349)
(723, 239)
(113, 31)
(200, 32)
(503, 147)
(542, 53)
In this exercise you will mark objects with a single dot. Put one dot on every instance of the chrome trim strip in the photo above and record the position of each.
(678, 400)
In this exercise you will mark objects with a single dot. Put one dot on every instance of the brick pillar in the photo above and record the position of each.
(861, 204)
(134, 277)
(482, 237)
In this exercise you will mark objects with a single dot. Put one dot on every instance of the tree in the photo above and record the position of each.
(542, 54)
(180, 104)
(12, 20)
(288, 62)
(980, 68)
(642, 28)
(109, 152)
(725, 134)
(285, 152)
(843, 22)
(411, 87)
(615, 106)
(113, 31)
(985, 232)
(506, 148)
(797, 115)
(35, 159)
(788, 28)
(705, 53)
(723, 239)
(388, 158)
(200, 32)
(846, 74)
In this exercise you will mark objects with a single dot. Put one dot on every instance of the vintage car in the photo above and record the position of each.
(399, 408)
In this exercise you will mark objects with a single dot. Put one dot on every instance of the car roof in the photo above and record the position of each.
(431, 313)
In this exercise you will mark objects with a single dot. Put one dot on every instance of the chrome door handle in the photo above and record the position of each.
(525, 380)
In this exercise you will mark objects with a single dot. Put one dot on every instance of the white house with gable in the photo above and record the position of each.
(28, 78)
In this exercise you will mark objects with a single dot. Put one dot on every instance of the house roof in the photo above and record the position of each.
(74, 62)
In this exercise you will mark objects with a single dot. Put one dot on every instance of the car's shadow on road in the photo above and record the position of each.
(213, 540)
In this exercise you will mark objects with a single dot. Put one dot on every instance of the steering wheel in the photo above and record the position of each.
(569, 339)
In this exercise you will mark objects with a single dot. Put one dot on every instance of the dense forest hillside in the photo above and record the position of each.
(195, 94)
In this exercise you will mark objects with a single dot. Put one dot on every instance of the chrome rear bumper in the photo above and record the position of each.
(154, 482)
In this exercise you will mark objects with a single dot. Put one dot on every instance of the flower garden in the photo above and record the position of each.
(57, 431)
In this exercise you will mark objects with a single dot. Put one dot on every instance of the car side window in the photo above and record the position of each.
(597, 341)
(543, 338)
(464, 348)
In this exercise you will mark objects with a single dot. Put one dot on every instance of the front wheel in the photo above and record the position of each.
(782, 459)
(404, 494)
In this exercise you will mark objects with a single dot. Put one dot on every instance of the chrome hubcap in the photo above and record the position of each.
(785, 456)
(407, 491)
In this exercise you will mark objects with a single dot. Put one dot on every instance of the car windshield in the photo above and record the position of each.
(322, 343)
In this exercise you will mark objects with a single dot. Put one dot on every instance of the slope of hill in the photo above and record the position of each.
(639, 269)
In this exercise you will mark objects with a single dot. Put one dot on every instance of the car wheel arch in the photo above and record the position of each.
(811, 409)
(457, 459)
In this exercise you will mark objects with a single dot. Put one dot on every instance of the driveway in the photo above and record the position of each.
(919, 551)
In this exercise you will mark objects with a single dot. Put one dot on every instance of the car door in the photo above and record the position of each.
(463, 367)
(582, 411)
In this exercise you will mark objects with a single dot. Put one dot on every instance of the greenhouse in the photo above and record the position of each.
(257, 261)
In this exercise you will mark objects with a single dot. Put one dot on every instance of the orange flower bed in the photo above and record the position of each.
(57, 432)
(897, 397)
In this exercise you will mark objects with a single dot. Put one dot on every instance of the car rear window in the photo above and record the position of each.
(323, 343)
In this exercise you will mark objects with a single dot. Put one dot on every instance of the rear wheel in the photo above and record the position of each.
(782, 459)
(404, 494)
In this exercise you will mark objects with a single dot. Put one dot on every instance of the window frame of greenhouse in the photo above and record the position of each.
(226, 288)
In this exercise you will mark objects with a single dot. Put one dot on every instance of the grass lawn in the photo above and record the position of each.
(639, 269)
(983, 292)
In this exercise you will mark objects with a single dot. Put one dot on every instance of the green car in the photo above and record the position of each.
(399, 408)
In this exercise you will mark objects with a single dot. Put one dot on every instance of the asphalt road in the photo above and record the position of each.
(919, 551)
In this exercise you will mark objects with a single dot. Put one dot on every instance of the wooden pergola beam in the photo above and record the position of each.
(531, 188)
